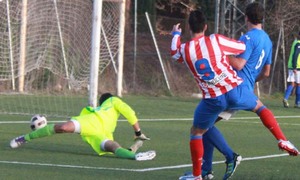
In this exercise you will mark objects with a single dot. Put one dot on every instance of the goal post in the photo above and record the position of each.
(22, 45)
(58, 52)
(95, 52)
(121, 52)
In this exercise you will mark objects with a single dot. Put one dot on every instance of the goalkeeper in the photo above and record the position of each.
(96, 127)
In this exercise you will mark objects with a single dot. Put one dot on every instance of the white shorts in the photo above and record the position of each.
(226, 115)
(293, 77)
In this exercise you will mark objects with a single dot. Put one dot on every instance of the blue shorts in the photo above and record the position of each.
(207, 111)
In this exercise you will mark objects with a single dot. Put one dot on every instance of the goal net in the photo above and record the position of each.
(45, 50)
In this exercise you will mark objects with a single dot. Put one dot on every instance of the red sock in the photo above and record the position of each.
(270, 122)
(196, 147)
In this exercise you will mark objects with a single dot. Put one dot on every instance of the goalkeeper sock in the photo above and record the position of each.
(196, 148)
(124, 153)
(270, 122)
(45, 131)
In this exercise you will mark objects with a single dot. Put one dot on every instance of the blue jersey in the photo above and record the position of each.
(258, 54)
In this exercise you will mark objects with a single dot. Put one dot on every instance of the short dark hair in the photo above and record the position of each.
(104, 97)
(255, 13)
(197, 21)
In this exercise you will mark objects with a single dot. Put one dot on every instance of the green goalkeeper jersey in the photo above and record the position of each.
(109, 112)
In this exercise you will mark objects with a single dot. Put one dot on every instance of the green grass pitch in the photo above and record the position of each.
(166, 120)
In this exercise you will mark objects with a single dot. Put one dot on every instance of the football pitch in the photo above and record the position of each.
(166, 120)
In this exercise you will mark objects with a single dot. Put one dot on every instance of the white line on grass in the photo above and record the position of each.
(233, 118)
(167, 119)
(132, 170)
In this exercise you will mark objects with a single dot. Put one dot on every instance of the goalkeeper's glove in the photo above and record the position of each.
(139, 135)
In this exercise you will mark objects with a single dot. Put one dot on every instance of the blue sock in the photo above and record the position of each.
(208, 153)
(297, 95)
(214, 136)
(288, 92)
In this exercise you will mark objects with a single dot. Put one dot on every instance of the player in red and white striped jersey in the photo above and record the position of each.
(207, 59)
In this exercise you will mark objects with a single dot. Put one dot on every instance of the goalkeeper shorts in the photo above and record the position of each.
(93, 132)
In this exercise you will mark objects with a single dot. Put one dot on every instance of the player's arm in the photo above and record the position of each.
(237, 63)
(129, 114)
(229, 46)
(265, 72)
(176, 43)
(138, 132)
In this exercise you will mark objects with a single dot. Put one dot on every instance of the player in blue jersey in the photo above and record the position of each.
(252, 65)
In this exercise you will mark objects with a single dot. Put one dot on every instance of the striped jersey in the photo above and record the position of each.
(206, 58)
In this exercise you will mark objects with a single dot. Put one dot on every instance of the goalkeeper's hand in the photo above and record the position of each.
(139, 135)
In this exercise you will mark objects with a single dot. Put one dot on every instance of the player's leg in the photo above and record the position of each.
(289, 89)
(297, 85)
(207, 172)
(204, 117)
(209, 144)
(249, 101)
(214, 136)
(207, 169)
(67, 127)
(269, 121)
(297, 100)
(136, 145)
(115, 147)
(287, 94)
(197, 150)
(48, 130)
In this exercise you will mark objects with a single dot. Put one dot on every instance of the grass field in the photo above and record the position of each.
(167, 121)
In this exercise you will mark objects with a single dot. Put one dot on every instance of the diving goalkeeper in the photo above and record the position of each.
(96, 127)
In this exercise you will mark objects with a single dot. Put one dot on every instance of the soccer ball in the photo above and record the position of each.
(37, 122)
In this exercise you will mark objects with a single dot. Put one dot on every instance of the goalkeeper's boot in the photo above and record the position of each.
(289, 147)
(17, 142)
(232, 165)
(190, 177)
(207, 175)
(144, 156)
(285, 103)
